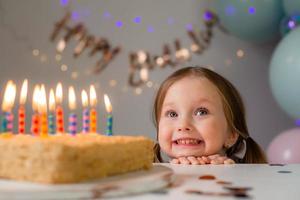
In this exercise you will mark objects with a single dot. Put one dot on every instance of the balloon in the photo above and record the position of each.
(285, 148)
(285, 73)
(291, 7)
(255, 20)
(289, 23)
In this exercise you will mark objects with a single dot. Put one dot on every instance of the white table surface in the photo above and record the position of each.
(265, 181)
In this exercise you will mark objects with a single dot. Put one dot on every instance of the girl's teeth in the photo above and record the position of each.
(187, 141)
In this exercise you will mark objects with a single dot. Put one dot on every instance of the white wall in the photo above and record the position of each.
(25, 25)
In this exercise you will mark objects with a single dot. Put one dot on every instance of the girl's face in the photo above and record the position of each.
(192, 120)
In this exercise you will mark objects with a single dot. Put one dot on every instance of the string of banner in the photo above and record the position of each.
(140, 62)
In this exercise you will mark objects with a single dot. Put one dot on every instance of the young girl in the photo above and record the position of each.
(200, 119)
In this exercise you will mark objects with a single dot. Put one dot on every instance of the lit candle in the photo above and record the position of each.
(85, 113)
(7, 105)
(93, 112)
(51, 116)
(35, 120)
(59, 109)
(23, 97)
(109, 120)
(72, 116)
(43, 111)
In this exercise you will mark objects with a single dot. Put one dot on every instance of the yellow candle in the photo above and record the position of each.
(93, 112)
(43, 111)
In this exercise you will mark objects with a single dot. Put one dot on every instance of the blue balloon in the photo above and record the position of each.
(251, 20)
(291, 7)
(285, 73)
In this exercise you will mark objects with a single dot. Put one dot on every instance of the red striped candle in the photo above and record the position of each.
(59, 109)
(23, 97)
(21, 120)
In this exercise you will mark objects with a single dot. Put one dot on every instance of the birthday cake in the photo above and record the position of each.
(69, 159)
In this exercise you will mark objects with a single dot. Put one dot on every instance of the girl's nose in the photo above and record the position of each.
(184, 129)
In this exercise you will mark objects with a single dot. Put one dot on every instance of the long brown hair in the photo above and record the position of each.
(234, 110)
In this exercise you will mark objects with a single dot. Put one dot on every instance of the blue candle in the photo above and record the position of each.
(72, 123)
(109, 123)
(7, 105)
(109, 120)
(51, 123)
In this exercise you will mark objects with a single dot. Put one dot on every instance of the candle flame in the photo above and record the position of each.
(93, 96)
(9, 96)
(84, 98)
(59, 93)
(35, 98)
(72, 98)
(51, 101)
(42, 106)
(107, 104)
(23, 95)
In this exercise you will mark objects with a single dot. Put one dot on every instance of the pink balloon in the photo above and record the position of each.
(285, 148)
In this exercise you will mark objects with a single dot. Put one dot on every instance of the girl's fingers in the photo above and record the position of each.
(229, 161)
(174, 161)
(184, 160)
(205, 159)
(201, 161)
(193, 160)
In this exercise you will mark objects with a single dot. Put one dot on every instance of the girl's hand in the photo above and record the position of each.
(203, 160)
(218, 160)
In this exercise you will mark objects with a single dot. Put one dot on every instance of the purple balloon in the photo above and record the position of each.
(285, 148)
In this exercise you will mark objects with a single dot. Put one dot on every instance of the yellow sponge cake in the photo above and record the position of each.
(69, 159)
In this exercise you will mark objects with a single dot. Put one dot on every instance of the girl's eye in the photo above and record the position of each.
(171, 114)
(201, 111)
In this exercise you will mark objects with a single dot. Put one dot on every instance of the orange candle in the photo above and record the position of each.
(43, 111)
(93, 112)
(35, 122)
(23, 97)
(59, 109)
